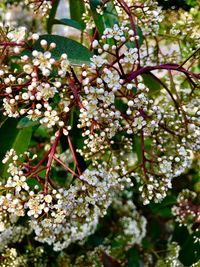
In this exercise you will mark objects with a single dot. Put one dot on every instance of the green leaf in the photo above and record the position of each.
(41, 132)
(52, 16)
(68, 22)
(77, 9)
(180, 234)
(11, 137)
(120, 105)
(26, 122)
(140, 41)
(77, 53)
(163, 209)
(151, 82)
(191, 2)
(109, 17)
(133, 258)
(190, 251)
(3, 119)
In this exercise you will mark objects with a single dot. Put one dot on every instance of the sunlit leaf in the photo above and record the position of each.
(52, 16)
(77, 9)
(68, 22)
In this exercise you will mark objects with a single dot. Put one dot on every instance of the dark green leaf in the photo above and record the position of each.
(52, 16)
(77, 53)
(26, 122)
(2, 122)
(76, 138)
(68, 22)
(32, 182)
(190, 251)
(151, 82)
(109, 17)
(133, 258)
(41, 132)
(77, 9)
(11, 137)
(140, 41)
(137, 147)
(180, 234)
(163, 209)
(120, 105)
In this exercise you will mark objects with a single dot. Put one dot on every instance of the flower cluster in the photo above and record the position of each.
(11, 257)
(54, 216)
(146, 116)
(187, 210)
(40, 7)
(130, 229)
(171, 258)
(31, 93)
(110, 133)
(132, 224)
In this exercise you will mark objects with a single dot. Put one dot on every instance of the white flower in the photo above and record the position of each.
(113, 80)
(130, 56)
(95, 43)
(17, 35)
(18, 182)
(28, 68)
(35, 207)
(48, 198)
(45, 91)
(50, 119)
(64, 64)
(43, 61)
(97, 61)
(165, 166)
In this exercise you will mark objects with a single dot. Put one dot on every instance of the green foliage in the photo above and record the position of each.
(26, 123)
(77, 9)
(68, 22)
(77, 53)
(140, 41)
(17, 139)
(52, 15)
(151, 82)
(106, 20)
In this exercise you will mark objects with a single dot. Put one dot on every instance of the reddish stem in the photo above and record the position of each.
(74, 155)
(132, 22)
(11, 44)
(49, 163)
(176, 67)
(65, 166)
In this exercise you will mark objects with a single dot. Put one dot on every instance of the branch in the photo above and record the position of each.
(74, 155)
(175, 67)
(49, 163)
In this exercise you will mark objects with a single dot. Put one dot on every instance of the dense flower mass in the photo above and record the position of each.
(105, 130)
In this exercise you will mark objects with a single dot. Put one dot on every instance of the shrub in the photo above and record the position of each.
(100, 135)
